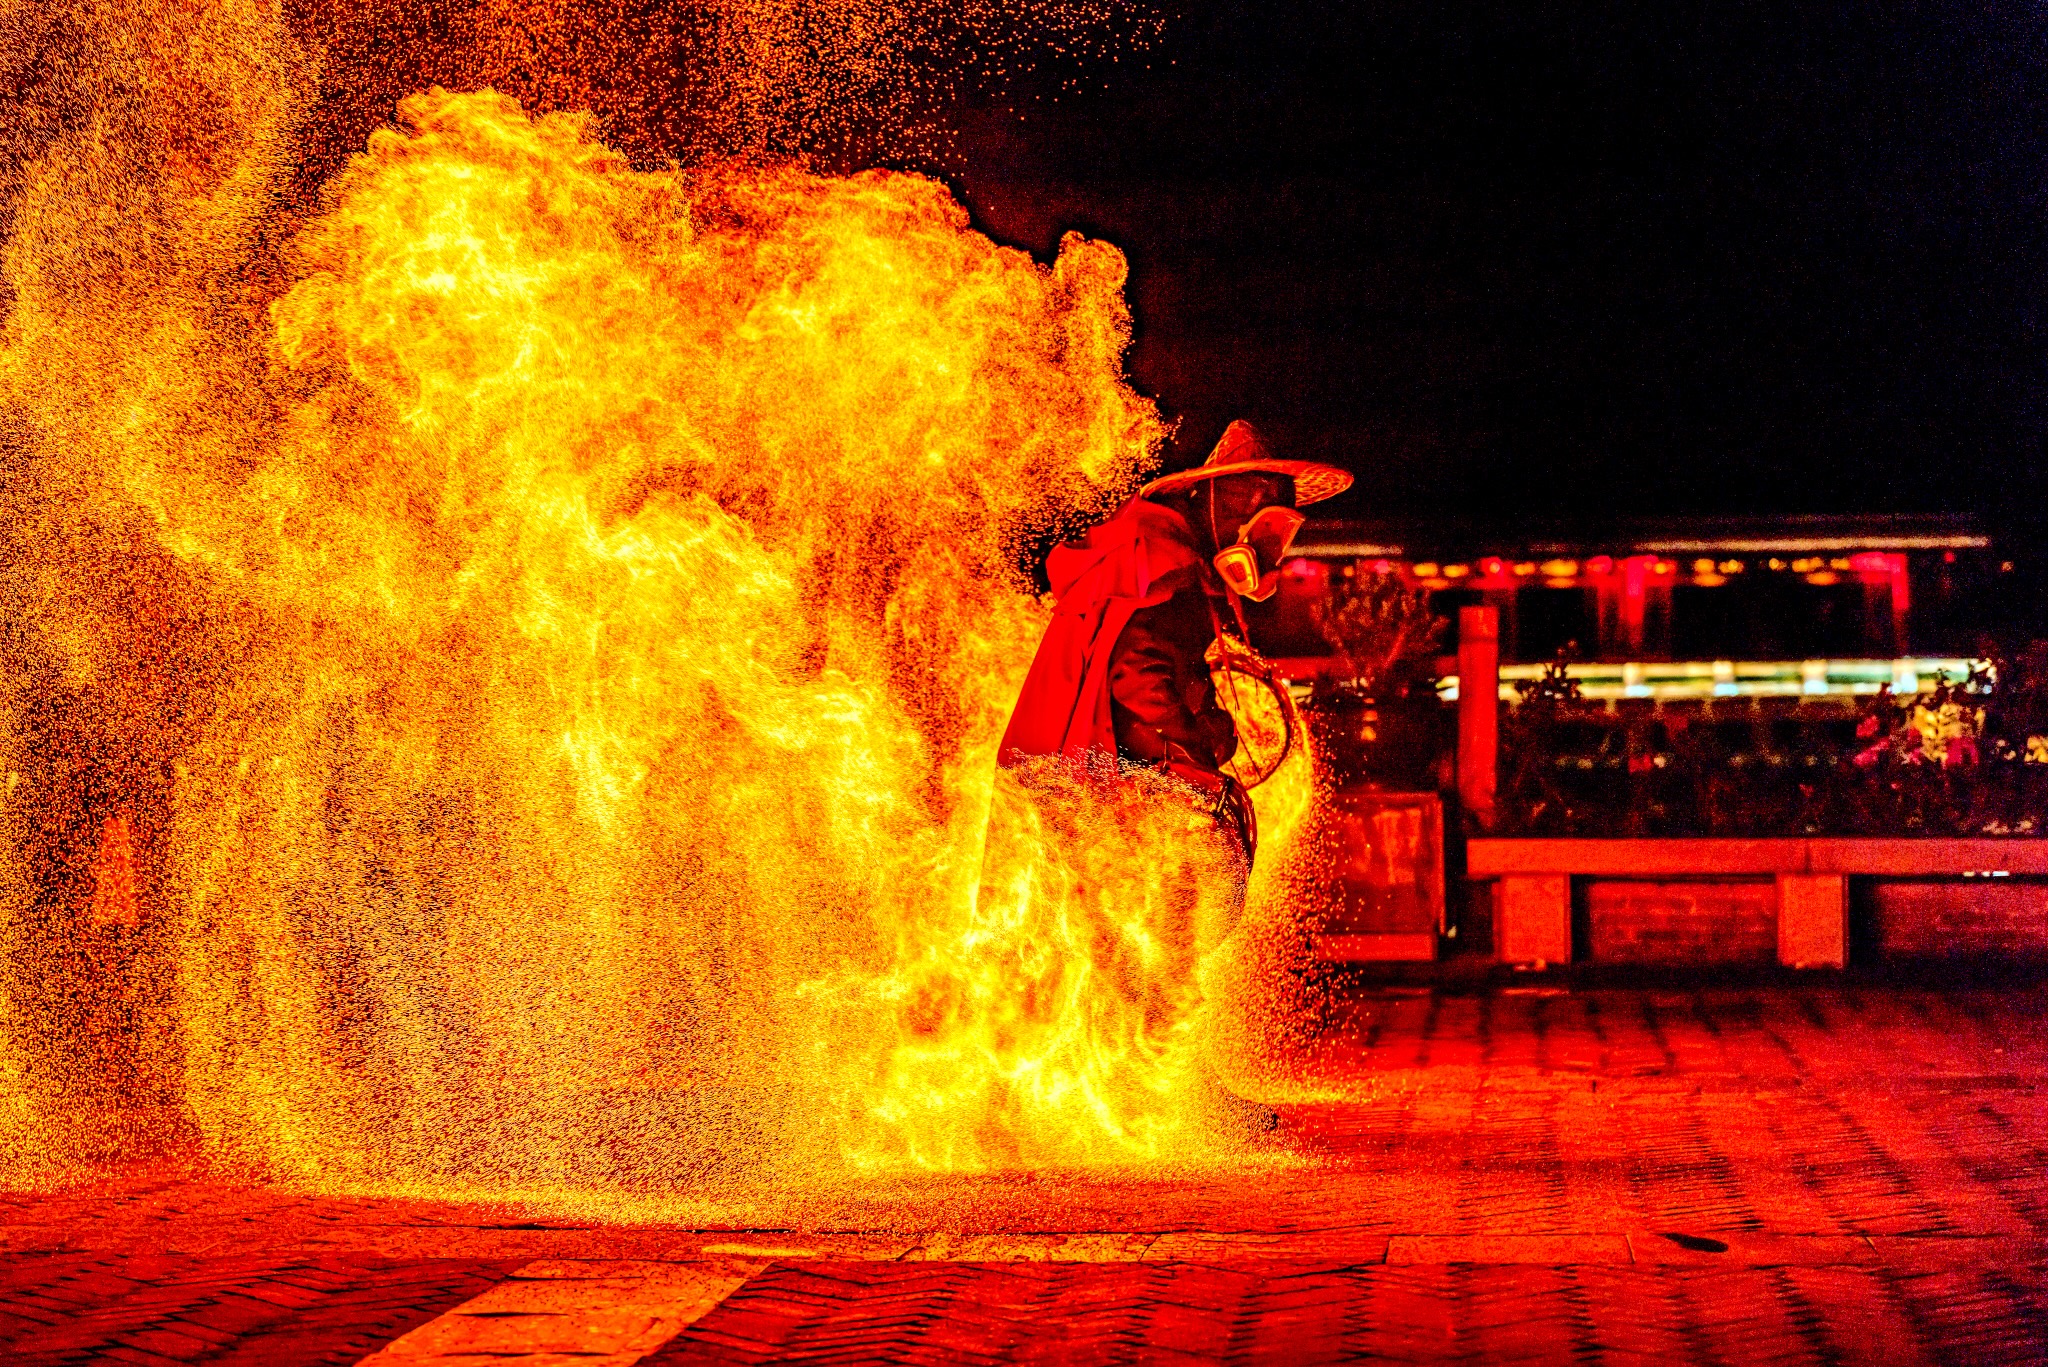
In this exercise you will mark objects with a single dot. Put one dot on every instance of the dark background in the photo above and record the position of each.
(1508, 260)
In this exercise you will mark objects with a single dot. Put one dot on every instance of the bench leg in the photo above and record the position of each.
(1813, 920)
(1532, 919)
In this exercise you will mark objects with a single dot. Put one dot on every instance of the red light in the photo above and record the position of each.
(1948, 557)
(1600, 564)
(1493, 565)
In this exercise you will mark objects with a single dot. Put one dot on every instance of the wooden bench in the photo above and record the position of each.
(1533, 906)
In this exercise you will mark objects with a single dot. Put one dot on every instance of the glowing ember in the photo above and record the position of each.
(566, 614)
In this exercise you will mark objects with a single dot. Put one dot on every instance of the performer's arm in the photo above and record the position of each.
(1160, 648)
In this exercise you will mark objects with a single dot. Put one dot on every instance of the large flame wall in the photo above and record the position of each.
(549, 624)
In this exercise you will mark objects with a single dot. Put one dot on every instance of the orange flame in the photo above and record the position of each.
(113, 894)
(611, 582)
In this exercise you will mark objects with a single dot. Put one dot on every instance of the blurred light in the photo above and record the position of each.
(1525, 567)
(1822, 578)
(1701, 679)
(1777, 564)
(1560, 569)
(1340, 550)
(1493, 565)
(1792, 544)
(1732, 567)
(1456, 571)
(1428, 569)
(1703, 566)
(1600, 564)
(1710, 581)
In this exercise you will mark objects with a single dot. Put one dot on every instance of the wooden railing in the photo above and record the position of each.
(1533, 893)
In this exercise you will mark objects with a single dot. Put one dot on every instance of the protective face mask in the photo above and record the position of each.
(1252, 566)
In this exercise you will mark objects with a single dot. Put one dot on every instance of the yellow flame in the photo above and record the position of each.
(606, 589)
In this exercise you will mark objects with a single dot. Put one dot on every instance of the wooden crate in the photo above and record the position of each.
(1389, 898)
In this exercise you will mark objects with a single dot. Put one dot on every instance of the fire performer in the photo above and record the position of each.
(1122, 677)
(1122, 682)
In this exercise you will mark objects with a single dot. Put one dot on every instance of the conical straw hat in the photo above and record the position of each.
(1242, 451)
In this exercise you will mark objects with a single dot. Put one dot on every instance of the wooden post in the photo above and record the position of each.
(1532, 919)
(1478, 710)
(1813, 920)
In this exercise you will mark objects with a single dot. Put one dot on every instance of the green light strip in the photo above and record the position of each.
(1681, 679)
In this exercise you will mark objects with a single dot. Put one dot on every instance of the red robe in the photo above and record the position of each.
(1138, 560)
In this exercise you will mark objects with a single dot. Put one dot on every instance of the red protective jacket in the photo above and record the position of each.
(1122, 669)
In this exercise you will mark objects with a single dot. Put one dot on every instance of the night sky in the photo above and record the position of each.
(1504, 259)
(1533, 260)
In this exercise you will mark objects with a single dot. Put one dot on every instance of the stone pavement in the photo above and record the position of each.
(1795, 1172)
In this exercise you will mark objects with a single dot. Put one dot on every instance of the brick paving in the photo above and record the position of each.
(165, 1308)
(1800, 1172)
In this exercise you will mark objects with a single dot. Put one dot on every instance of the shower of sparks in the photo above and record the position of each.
(507, 645)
